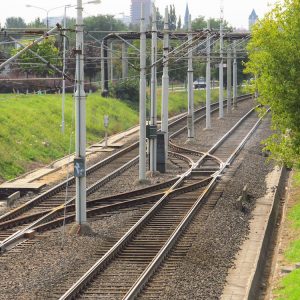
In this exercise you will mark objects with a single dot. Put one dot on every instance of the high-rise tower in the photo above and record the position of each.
(186, 17)
(252, 19)
(136, 10)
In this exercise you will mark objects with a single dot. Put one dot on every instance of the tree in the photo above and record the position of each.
(103, 23)
(200, 23)
(30, 64)
(160, 20)
(92, 62)
(172, 18)
(37, 23)
(275, 63)
(14, 22)
(179, 23)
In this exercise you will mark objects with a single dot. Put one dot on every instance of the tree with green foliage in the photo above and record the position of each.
(30, 64)
(159, 20)
(172, 18)
(103, 23)
(275, 63)
(201, 23)
(179, 23)
(14, 22)
(37, 23)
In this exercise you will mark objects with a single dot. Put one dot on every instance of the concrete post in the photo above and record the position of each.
(165, 84)
(190, 74)
(80, 100)
(102, 67)
(234, 75)
(64, 78)
(124, 61)
(229, 80)
(221, 72)
(153, 114)
(208, 78)
(111, 70)
(142, 139)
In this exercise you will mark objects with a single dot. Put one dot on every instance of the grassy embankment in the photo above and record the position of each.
(289, 286)
(30, 126)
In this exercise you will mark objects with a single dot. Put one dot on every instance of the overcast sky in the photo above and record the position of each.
(235, 11)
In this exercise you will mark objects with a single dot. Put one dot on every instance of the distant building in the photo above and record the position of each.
(252, 18)
(136, 11)
(52, 21)
(186, 17)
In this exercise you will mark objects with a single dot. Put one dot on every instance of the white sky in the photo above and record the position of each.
(235, 11)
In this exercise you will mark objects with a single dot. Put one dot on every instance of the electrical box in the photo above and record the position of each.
(151, 131)
(161, 152)
(79, 167)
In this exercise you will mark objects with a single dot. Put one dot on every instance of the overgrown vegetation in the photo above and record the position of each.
(31, 65)
(289, 287)
(275, 62)
(127, 90)
(30, 131)
(30, 128)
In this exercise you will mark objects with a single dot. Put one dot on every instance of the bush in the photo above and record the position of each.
(127, 90)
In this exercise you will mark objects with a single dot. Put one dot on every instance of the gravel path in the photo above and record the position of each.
(23, 275)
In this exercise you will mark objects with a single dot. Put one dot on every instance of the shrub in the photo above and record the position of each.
(127, 90)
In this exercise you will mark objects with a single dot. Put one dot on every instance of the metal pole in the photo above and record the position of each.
(111, 63)
(165, 84)
(190, 120)
(80, 100)
(102, 68)
(142, 140)
(228, 79)
(221, 70)
(234, 75)
(208, 78)
(153, 115)
(124, 61)
(64, 79)
(106, 68)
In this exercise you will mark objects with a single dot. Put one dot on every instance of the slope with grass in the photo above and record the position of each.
(30, 130)
(289, 286)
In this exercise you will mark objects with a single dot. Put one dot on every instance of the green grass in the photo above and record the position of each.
(30, 131)
(178, 101)
(292, 254)
(294, 215)
(289, 286)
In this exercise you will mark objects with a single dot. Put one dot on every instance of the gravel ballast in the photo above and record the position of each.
(202, 274)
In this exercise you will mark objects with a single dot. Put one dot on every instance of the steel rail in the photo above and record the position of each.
(21, 220)
(162, 254)
(20, 234)
(122, 204)
(100, 264)
(56, 189)
(54, 212)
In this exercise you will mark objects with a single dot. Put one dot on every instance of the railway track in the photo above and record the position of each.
(44, 208)
(124, 270)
